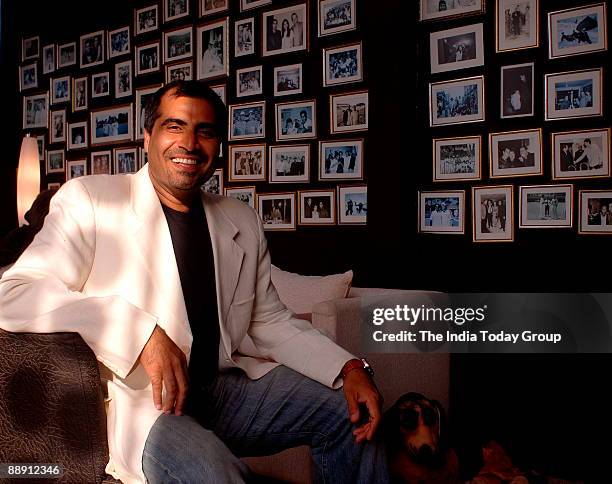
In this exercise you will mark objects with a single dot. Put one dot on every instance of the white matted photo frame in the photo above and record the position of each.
(249, 81)
(179, 71)
(244, 37)
(317, 207)
(100, 84)
(594, 212)
(178, 44)
(123, 79)
(457, 102)
(79, 94)
(30, 48)
(546, 206)
(284, 30)
(220, 90)
(574, 94)
(352, 205)
(119, 42)
(92, 49)
(515, 153)
(66, 55)
(211, 7)
(57, 126)
(125, 160)
(247, 121)
(251, 4)
(578, 30)
(349, 111)
(147, 58)
(76, 169)
(214, 184)
(446, 9)
(60, 89)
(289, 163)
(77, 135)
(277, 210)
(458, 48)
(288, 80)
(517, 24)
(55, 161)
(175, 9)
(341, 160)
(336, 16)
(101, 162)
(35, 111)
(146, 19)
(581, 154)
(244, 194)
(247, 162)
(213, 49)
(112, 125)
(458, 158)
(296, 120)
(48, 59)
(442, 212)
(517, 91)
(28, 76)
(342, 64)
(142, 95)
(40, 140)
(493, 213)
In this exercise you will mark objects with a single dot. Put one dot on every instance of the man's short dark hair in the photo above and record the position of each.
(193, 89)
(588, 140)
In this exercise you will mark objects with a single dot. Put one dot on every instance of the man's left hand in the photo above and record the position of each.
(360, 389)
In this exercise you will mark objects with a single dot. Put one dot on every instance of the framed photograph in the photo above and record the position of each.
(100, 84)
(336, 16)
(213, 50)
(578, 30)
(247, 121)
(60, 90)
(53, 186)
(126, 160)
(493, 213)
(244, 37)
(30, 48)
(177, 44)
(317, 207)
(341, 160)
(119, 42)
(146, 19)
(517, 24)
(289, 163)
(48, 60)
(342, 65)
(573, 94)
(210, 7)
(445, 9)
(220, 90)
(35, 111)
(179, 71)
(349, 112)
(288, 80)
(214, 184)
(175, 9)
(352, 205)
(142, 96)
(147, 58)
(112, 125)
(56, 161)
(28, 76)
(250, 4)
(581, 154)
(247, 162)
(457, 102)
(57, 132)
(66, 55)
(92, 49)
(516, 153)
(457, 158)
(101, 163)
(40, 140)
(595, 212)
(244, 194)
(79, 94)
(143, 157)
(546, 206)
(123, 79)
(249, 81)
(75, 169)
(284, 30)
(296, 120)
(77, 135)
(454, 49)
(442, 212)
(277, 210)
(517, 91)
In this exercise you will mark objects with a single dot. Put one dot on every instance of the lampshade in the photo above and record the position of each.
(28, 177)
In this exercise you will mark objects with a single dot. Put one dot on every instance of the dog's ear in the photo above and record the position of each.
(443, 440)
(390, 427)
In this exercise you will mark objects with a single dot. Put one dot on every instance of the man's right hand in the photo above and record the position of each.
(166, 366)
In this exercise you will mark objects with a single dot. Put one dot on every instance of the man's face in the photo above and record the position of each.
(274, 25)
(604, 209)
(523, 152)
(512, 155)
(294, 18)
(182, 146)
(303, 116)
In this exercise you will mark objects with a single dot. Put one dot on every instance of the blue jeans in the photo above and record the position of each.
(244, 417)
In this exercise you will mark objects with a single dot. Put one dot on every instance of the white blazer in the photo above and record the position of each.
(103, 265)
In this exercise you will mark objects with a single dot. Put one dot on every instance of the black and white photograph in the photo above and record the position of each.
(175, 9)
(143, 157)
(147, 58)
(220, 90)
(288, 80)
(35, 111)
(111, 125)
(243, 194)
(457, 102)
(209, 7)
(349, 112)
(342, 65)
(285, 30)
(277, 210)
(92, 49)
(336, 16)
(289, 164)
(249, 81)
(455, 49)
(247, 163)
(57, 131)
(76, 169)
(493, 213)
(53, 185)
(442, 212)
(66, 55)
(60, 90)
(56, 161)
(247, 121)
(123, 79)
(317, 207)
(516, 153)
(352, 205)
(28, 76)
(579, 30)
(40, 140)
(177, 44)
(296, 120)
(445, 9)
(142, 95)
(101, 163)
(119, 42)
(595, 212)
(48, 59)
(517, 88)
(213, 50)
(214, 184)
(251, 4)
(146, 19)
(126, 160)
(341, 160)
(244, 37)
(179, 71)
(546, 206)
(581, 154)
(77, 135)
(574, 94)
(30, 48)
(457, 158)
(517, 24)
(100, 84)
(79, 94)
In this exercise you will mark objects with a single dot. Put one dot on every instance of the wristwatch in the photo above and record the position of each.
(355, 364)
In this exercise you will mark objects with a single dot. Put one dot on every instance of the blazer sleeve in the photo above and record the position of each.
(42, 292)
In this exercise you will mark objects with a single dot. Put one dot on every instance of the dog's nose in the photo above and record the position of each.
(425, 454)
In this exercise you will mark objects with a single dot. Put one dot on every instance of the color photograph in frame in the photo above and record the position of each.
(457, 102)
(289, 163)
(493, 213)
(595, 212)
(574, 94)
(546, 206)
(277, 210)
(446, 9)
(213, 49)
(112, 125)
(458, 48)
(336, 16)
(341, 160)
(457, 158)
(517, 24)
(247, 162)
(578, 30)
(442, 212)
(515, 153)
(317, 207)
(581, 154)
(352, 205)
